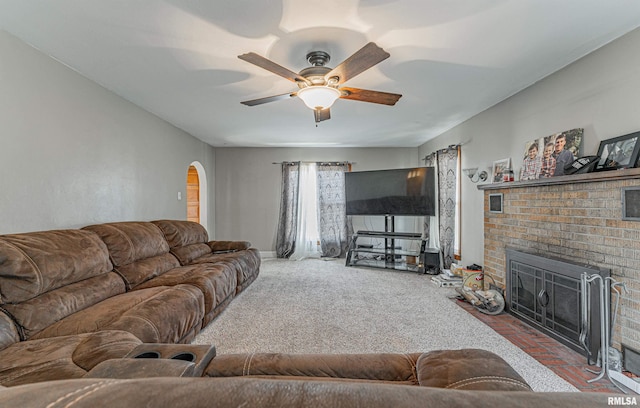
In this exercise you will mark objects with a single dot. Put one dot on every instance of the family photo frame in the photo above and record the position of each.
(500, 168)
(619, 152)
(548, 156)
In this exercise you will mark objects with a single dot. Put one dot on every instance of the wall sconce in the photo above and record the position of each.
(476, 176)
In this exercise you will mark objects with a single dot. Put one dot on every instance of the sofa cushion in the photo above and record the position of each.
(61, 357)
(246, 263)
(186, 239)
(147, 269)
(154, 315)
(217, 282)
(138, 250)
(468, 369)
(130, 241)
(383, 367)
(35, 315)
(47, 276)
(188, 242)
(189, 253)
(38, 262)
(182, 233)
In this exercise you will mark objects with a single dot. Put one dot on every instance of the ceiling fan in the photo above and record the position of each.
(320, 86)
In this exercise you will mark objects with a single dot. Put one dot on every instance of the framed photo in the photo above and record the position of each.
(549, 156)
(567, 146)
(500, 167)
(619, 152)
(495, 203)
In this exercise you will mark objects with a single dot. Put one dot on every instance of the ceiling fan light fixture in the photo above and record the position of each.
(318, 97)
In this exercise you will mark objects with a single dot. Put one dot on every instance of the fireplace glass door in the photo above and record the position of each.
(545, 292)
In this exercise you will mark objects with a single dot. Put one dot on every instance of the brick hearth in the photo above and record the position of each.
(563, 361)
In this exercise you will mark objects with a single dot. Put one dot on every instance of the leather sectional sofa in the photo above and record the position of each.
(233, 392)
(450, 378)
(102, 316)
(110, 286)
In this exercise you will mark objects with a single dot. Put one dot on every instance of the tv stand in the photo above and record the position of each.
(389, 256)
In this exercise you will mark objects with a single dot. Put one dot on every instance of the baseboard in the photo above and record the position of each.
(268, 254)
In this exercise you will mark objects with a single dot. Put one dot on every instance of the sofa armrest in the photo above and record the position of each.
(228, 246)
(468, 369)
(157, 360)
(199, 355)
(127, 368)
(8, 331)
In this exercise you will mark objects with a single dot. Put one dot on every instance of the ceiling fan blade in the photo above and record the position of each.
(360, 61)
(322, 114)
(271, 66)
(364, 95)
(268, 99)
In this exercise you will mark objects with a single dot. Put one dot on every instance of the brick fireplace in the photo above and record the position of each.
(577, 218)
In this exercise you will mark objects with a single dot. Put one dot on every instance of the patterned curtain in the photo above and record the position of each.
(446, 164)
(288, 221)
(334, 227)
(447, 186)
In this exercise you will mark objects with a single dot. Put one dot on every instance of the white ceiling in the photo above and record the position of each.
(450, 59)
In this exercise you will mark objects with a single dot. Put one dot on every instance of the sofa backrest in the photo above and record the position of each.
(187, 239)
(46, 276)
(8, 331)
(138, 250)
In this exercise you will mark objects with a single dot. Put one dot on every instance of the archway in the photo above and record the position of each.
(197, 194)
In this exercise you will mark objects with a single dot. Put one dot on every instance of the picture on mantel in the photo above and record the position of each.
(548, 156)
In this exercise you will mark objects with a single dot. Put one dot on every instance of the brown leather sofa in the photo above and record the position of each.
(233, 392)
(449, 378)
(61, 288)
(60, 283)
(145, 258)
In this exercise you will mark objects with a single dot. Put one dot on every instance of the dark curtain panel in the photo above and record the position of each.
(447, 186)
(335, 228)
(288, 220)
(445, 162)
(430, 161)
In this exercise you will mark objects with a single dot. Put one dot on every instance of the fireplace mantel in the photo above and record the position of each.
(574, 178)
(577, 218)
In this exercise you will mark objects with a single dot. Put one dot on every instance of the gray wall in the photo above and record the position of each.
(248, 185)
(598, 93)
(73, 153)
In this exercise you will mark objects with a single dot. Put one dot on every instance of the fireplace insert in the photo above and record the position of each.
(544, 291)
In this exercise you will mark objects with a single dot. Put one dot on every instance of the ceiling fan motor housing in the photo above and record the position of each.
(315, 75)
(318, 69)
(318, 58)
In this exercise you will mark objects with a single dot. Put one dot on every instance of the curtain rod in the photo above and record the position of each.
(451, 146)
(316, 161)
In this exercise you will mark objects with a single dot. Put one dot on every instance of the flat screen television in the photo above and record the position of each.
(391, 192)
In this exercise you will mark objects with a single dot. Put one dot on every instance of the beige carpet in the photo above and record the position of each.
(318, 306)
